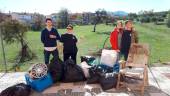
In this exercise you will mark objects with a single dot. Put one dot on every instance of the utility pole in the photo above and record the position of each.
(3, 51)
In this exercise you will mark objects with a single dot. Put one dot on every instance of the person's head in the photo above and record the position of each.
(129, 24)
(70, 28)
(48, 22)
(119, 24)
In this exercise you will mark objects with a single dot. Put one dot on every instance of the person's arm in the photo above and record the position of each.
(62, 38)
(43, 36)
(58, 36)
(75, 38)
(113, 40)
(135, 36)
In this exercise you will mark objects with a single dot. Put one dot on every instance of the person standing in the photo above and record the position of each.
(49, 37)
(115, 36)
(69, 41)
(129, 36)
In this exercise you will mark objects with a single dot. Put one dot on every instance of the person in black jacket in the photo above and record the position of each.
(49, 37)
(129, 36)
(69, 41)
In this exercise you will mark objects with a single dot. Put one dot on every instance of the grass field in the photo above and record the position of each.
(156, 35)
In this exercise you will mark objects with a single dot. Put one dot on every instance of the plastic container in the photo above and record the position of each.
(39, 84)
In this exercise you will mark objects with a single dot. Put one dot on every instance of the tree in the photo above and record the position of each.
(132, 16)
(168, 21)
(4, 17)
(100, 17)
(63, 20)
(13, 31)
(38, 20)
(146, 16)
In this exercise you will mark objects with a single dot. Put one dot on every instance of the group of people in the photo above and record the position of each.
(49, 37)
(120, 39)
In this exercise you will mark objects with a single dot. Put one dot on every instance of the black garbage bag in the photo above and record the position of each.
(20, 89)
(108, 81)
(95, 73)
(56, 68)
(72, 72)
(105, 68)
(88, 59)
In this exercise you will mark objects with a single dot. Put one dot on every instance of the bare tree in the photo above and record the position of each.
(100, 17)
(63, 20)
(13, 31)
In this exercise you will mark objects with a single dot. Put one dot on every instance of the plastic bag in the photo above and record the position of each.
(85, 67)
(72, 72)
(20, 89)
(108, 57)
(56, 68)
(88, 59)
(94, 72)
(108, 81)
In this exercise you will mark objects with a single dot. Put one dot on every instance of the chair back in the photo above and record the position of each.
(138, 55)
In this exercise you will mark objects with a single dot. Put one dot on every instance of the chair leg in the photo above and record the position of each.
(144, 82)
(118, 81)
(147, 80)
(142, 90)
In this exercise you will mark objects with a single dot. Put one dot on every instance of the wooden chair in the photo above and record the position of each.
(134, 72)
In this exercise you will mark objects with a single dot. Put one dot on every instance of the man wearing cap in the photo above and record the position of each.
(49, 37)
(69, 41)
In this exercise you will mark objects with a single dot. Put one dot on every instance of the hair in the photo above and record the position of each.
(120, 29)
(127, 21)
(71, 26)
(119, 22)
(48, 19)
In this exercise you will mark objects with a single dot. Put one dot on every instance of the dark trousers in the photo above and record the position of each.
(72, 55)
(125, 54)
(47, 55)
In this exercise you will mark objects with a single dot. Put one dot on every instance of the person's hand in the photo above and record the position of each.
(52, 36)
(117, 50)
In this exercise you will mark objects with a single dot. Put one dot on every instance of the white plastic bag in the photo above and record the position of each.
(108, 57)
(85, 67)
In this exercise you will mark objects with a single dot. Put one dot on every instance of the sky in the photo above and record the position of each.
(47, 7)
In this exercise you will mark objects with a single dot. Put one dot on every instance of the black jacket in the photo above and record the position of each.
(46, 40)
(69, 42)
(126, 41)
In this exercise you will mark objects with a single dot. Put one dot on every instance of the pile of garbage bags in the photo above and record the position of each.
(101, 74)
(41, 76)
(105, 72)
(88, 71)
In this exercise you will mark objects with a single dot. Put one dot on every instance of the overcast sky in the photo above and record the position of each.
(47, 7)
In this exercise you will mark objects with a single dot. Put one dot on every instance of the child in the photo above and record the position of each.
(69, 41)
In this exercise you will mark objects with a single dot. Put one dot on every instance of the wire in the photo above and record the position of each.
(105, 42)
(149, 66)
(3, 75)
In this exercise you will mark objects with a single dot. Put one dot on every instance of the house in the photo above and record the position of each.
(4, 16)
(22, 17)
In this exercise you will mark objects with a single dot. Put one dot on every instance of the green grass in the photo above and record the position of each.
(158, 38)
(156, 35)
